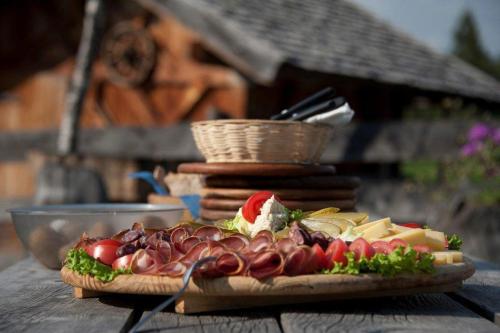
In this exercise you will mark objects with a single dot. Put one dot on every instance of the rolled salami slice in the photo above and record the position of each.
(173, 269)
(198, 251)
(235, 243)
(285, 246)
(265, 264)
(260, 243)
(189, 242)
(299, 261)
(145, 262)
(230, 263)
(208, 232)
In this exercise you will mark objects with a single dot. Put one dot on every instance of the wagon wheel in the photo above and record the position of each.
(129, 54)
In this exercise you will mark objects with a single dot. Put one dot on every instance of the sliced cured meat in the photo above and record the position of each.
(208, 232)
(299, 261)
(178, 235)
(235, 243)
(125, 249)
(173, 269)
(145, 262)
(198, 251)
(156, 238)
(230, 263)
(131, 236)
(285, 246)
(164, 251)
(267, 234)
(189, 242)
(265, 264)
(259, 243)
(299, 235)
(319, 238)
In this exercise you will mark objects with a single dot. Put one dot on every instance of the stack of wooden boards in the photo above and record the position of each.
(308, 187)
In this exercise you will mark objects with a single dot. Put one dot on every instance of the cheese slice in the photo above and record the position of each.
(352, 216)
(436, 240)
(376, 231)
(361, 228)
(448, 257)
(397, 229)
(412, 237)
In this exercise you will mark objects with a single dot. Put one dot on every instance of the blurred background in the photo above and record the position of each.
(423, 78)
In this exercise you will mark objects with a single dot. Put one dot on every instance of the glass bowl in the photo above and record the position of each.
(48, 232)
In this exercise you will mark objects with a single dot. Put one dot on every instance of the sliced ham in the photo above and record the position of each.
(230, 263)
(299, 261)
(208, 232)
(173, 269)
(267, 234)
(178, 235)
(198, 251)
(265, 264)
(164, 251)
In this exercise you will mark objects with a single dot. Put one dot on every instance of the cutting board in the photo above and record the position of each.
(235, 204)
(233, 292)
(269, 183)
(256, 169)
(284, 194)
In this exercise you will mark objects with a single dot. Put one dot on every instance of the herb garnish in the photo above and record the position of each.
(398, 261)
(79, 261)
(454, 242)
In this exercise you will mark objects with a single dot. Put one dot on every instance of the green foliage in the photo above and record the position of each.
(397, 262)
(421, 172)
(79, 261)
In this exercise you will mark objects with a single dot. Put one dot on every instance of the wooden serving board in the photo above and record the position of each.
(284, 194)
(239, 291)
(256, 169)
(270, 183)
(235, 204)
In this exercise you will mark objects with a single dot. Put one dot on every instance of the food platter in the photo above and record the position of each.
(205, 294)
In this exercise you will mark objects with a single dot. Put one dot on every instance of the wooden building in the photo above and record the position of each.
(163, 62)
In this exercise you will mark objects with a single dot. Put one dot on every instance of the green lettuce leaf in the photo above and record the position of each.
(79, 261)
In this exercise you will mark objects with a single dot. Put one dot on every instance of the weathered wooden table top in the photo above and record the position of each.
(34, 299)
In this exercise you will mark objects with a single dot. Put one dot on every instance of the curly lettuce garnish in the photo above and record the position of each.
(79, 261)
(398, 261)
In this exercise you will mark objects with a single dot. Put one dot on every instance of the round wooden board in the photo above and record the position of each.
(234, 204)
(308, 182)
(317, 284)
(285, 194)
(256, 169)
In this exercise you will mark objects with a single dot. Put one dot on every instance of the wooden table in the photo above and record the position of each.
(33, 299)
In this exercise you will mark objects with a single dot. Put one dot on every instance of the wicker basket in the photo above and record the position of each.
(260, 141)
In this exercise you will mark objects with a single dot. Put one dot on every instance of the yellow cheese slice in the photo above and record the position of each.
(450, 257)
(376, 231)
(352, 216)
(385, 221)
(413, 236)
(441, 258)
(435, 240)
(364, 221)
(397, 229)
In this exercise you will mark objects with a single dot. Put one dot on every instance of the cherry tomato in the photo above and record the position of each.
(411, 225)
(397, 242)
(90, 248)
(320, 257)
(105, 253)
(421, 248)
(382, 247)
(122, 262)
(361, 248)
(251, 208)
(336, 252)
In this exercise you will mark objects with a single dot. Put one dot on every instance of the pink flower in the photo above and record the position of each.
(478, 132)
(495, 136)
(471, 148)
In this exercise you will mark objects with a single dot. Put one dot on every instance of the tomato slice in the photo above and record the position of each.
(421, 248)
(397, 242)
(90, 249)
(382, 247)
(336, 252)
(411, 225)
(105, 253)
(251, 208)
(122, 262)
(361, 248)
(320, 257)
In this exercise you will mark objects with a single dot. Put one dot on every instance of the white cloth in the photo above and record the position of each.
(339, 116)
